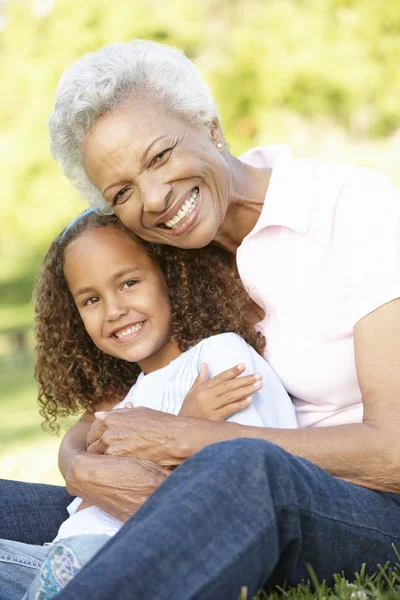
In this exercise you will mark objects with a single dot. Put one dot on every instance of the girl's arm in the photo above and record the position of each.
(366, 453)
(259, 398)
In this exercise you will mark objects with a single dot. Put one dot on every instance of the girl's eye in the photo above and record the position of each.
(130, 283)
(159, 157)
(91, 301)
(119, 196)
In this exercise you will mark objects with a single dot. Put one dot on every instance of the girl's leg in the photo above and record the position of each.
(19, 564)
(31, 512)
(62, 563)
(241, 513)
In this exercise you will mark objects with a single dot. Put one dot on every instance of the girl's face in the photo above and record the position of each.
(121, 297)
(166, 181)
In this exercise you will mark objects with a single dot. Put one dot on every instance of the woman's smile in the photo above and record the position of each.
(163, 178)
(185, 216)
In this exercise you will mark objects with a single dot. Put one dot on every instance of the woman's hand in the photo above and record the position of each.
(142, 433)
(222, 396)
(117, 485)
(153, 435)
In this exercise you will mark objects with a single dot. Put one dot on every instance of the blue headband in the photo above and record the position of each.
(88, 211)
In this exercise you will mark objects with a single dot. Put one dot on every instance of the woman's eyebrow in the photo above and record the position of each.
(143, 161)
(146, 152)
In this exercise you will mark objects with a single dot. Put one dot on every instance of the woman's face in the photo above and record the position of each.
(167, 181)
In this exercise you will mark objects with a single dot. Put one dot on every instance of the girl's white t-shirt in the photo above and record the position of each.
(166, 389)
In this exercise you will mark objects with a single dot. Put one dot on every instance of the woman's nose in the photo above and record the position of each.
(155, 195)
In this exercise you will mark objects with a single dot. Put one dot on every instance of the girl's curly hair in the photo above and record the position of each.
(207, 298)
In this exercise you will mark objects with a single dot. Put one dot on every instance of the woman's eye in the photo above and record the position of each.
(90, 301)
(119, 196)
(130, 283)
(159, 157)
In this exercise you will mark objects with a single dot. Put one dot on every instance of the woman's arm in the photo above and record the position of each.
(74, 442)
(118, 486)
(366, 453)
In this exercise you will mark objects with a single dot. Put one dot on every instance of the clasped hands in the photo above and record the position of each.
(163, 438)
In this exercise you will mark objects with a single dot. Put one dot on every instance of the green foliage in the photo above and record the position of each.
(271, 65)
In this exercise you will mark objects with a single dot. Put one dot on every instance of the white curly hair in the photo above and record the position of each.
(101, 81)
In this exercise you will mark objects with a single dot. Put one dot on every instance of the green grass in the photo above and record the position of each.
(27, 453)
(383, 585)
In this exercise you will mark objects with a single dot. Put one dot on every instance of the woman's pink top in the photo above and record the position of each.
(324, 253)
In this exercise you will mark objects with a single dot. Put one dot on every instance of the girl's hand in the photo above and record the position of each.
(222, 396)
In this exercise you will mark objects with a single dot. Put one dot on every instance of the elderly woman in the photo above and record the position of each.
(317, 247)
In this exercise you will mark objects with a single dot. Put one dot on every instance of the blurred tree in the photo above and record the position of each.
(266, 61)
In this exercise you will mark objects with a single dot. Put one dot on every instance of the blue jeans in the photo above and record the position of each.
(31, 512)
(41, 572)
(241, 513)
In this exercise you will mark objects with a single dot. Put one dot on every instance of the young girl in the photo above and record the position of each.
(120, 318)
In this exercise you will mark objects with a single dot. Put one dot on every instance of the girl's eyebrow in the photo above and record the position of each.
(122, 273)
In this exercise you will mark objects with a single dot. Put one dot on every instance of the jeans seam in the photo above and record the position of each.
(341, 521)
(10, 558)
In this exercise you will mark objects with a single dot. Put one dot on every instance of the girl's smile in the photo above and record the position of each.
(127, 333)
(121, 297)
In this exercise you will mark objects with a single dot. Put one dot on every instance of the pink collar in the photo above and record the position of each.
(289, 197)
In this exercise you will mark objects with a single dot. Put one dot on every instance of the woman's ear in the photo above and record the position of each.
(217, 135)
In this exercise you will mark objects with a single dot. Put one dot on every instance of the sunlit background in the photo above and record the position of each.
(320, 75)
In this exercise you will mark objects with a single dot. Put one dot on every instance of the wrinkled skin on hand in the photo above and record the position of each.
(118, 486)
(142, 433)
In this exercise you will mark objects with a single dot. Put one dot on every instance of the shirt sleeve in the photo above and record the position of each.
(272, 406)
(368, 216)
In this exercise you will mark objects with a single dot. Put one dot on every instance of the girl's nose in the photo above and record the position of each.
(115, 310)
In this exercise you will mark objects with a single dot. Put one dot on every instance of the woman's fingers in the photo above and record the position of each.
(96, 431)
(97, 447)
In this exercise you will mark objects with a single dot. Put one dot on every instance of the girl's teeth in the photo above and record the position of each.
(122, 334)
(184, 211)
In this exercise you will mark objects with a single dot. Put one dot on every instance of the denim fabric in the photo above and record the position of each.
(41, 572)
(62, 563)
(31, 512)
(241, 513)
(19, 564)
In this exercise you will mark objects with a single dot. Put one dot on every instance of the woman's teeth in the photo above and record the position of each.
(185, 210)
(122, 334)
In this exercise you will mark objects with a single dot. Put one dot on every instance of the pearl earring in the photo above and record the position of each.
(220, 146)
